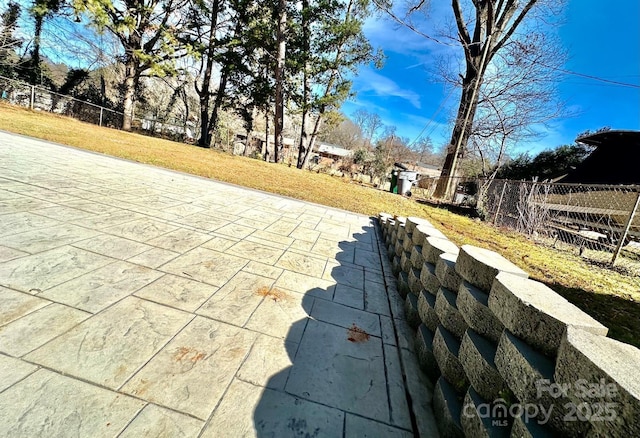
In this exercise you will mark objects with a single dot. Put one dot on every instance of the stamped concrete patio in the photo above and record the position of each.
(136, 301)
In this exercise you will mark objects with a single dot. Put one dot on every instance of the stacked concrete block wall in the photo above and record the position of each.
(506, 354)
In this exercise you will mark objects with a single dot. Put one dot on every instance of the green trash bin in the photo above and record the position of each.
(393, 188)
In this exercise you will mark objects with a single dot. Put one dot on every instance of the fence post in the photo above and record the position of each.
(101, 110)
(33, 97)
(626, 230)
(504, 187)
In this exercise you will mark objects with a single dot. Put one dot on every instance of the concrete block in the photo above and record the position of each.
(521, 367)
(445, 350)
(449, 314)
(447, 408)
(400, 222)
(391, 250)
(427, 310)
(424, 352)
(446, 272)
(473, 305)
(405, 261)
(407, 243)
(412, 222)
(527, 428)
(428, 278)
(479, 420)
(415, 285)
(434, 246)
(480, 266)
(387, 232)
(421, 233)
(602, 373)
(526, 372)
(398, 248)
(391, 240)
(402, 232)
(477, 356)
(395, 265)
(535, 313)
(403, 284)
(417, 260)
(411, 311)
(384, 217)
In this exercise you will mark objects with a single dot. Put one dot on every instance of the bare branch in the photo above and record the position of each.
(462, 29)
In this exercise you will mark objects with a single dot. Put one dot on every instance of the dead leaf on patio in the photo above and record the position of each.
(356, 334)
(274, 294)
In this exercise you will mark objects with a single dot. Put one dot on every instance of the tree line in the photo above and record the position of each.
(251, 58)
(243, 56)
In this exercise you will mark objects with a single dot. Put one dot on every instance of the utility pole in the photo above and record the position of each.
(443, 189)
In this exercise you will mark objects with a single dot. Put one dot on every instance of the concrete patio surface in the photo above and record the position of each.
(136, 301)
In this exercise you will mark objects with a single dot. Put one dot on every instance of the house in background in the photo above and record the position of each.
(616, 159)
(331, 151)
(425, 170)
(594, 208)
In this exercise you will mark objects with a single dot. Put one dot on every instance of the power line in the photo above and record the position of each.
(594, 78)
(432, 117)
(411, 27)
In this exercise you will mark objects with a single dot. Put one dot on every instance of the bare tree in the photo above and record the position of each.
(511, 107)
(346, 134)
(482, 29)
(369, 123)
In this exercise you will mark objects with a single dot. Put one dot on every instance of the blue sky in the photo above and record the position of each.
(602, 39)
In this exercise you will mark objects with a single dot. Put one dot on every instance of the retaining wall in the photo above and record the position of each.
(507, 355)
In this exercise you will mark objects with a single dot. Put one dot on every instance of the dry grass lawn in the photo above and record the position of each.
(609, 296)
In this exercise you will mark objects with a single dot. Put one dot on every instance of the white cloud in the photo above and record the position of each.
(381, 86)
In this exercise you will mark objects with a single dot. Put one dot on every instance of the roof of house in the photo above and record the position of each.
(615, 138)
(614, 161)
(286, 141)
(331, 149)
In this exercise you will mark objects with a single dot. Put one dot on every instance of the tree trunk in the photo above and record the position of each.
(35, 73)
(306, 91)
(265, 145)
(279, 100)
(312, 141)
(476, 60)
(132, 78)
(247, 143)
(103, 91)
(217, 104)
(204, 94)
(204, 140)
(459, 136)
(304, 136)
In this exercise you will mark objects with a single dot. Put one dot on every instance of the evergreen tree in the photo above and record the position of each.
(148, 31)
(9, 43)
(40, 11)
(333, 44)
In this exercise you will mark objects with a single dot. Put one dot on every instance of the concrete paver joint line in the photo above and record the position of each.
(414, 422)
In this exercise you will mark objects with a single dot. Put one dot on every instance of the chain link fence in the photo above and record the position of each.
(598, 222)
(42, 99)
